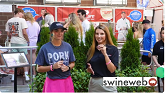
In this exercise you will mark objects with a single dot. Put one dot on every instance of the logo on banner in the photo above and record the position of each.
(135, 15)
(31, 10)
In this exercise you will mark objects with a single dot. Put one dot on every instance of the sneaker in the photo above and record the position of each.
(33, 76)
(27, 78)
(12, 79)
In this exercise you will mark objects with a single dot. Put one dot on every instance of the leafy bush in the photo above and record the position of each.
(130, 52)
(44, 37)
(80, 80)
(112, 36)
(38, 82)
(131, 66)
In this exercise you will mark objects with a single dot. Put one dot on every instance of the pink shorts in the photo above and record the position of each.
(58, 85)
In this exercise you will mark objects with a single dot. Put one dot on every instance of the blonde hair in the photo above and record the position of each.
(140, 28)
(108, 38)
(75, 21)
(29, 17)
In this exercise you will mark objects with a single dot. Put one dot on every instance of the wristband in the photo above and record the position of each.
(69, 68)
(108, 62)
(51, 66)
(28, 42)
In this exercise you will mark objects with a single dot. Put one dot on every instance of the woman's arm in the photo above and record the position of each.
(155, 60)
(111, 67)
(43, 68)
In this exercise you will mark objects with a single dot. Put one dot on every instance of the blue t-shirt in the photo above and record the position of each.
(50, 54)
(149, 40)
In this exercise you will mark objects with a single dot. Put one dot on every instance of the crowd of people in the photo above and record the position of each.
(57, 58)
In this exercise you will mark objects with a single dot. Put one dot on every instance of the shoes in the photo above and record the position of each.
(27, 78)
(33, 76)
(12, 79)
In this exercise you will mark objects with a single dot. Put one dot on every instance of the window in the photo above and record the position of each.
(63, 1)
(111, 2)
(13, 1)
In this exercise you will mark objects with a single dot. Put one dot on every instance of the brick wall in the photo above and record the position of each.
(131, 3)
(3, 19)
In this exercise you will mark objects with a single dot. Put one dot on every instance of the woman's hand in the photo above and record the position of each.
(58, 64)
(64, 68)
(102, 48)
(89, 69)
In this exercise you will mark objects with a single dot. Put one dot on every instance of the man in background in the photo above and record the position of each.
(16, 31)
(39, 20)
(122, 26)
(149, 40)
(85, 22)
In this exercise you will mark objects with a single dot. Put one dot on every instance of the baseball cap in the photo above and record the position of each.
(56, 25)
(145, 21)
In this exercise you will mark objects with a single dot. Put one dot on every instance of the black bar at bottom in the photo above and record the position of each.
(15, 80)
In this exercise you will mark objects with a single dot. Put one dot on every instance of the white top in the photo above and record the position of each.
(85, 26)
(121, 23)
(15, 26)
(140, 39)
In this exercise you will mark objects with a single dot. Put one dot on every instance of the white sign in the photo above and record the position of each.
(5, 8)
(148, 12)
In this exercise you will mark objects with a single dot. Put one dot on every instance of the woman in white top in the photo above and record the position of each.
(75, 21)
(138, 27)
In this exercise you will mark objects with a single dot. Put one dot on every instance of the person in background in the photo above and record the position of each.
(159, 37)
(32, 31)
(16, 31)
(49, 19)
(122, 26)
(75, 21)
(56, 58)
(85, 23)
(102, 60)
(158, 52)
(39, 20)
(138, 27)
(149, 41)
(4, 70)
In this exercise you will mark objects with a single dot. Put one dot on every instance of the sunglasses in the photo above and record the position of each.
(100, 27)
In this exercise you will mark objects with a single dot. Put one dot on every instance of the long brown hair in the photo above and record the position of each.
(91, 50)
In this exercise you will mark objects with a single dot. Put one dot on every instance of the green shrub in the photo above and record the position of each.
(130, 52)
(44, 37)
(89, 37)
(38, 82)
(80, 80)
(112, 36)
(131, 66)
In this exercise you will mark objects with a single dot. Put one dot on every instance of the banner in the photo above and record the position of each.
(133, 15)
(92, 14)
(36, 10)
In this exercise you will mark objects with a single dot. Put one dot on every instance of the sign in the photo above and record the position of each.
(135, 15)
(131, 14)
(38, 9)
(92, 14)
(106, 13)
(31, 10)
(5, 8)
(148, 12)
(15, 59)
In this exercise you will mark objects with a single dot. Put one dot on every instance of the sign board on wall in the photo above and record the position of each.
(5, 8)
(133, 15)
(92, 14)
(36, 10)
